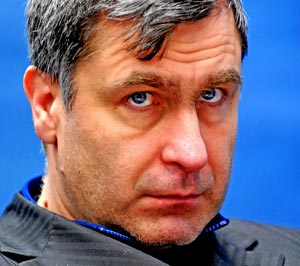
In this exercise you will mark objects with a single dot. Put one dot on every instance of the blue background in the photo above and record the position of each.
(265, 185)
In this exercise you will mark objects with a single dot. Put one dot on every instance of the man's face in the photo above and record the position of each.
(148, 145)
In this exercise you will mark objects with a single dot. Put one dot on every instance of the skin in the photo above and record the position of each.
(158, 168)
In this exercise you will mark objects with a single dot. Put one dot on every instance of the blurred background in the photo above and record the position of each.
(265, 183)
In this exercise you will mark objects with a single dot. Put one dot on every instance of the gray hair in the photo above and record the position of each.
(59, 30)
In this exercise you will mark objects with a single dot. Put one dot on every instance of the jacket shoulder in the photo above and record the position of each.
(5, 261)
(260, 244)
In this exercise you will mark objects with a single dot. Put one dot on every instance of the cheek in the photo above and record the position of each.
(220, 160)
(220, 144)
(97, 158)
(88, 159)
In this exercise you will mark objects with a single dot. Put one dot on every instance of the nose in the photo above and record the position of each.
(184, 144)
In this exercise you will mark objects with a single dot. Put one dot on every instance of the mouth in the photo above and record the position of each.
(178, 197)
(172, 202)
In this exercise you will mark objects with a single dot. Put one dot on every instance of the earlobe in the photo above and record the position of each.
(44, 98)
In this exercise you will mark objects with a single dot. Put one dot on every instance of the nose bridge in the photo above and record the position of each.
(185, 145)
(189, 127)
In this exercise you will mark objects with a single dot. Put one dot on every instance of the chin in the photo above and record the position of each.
(180, 232)
(167, 240)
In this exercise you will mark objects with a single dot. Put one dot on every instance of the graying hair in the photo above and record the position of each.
(59, 30)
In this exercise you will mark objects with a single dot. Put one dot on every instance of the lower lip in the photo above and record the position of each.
(166, 201)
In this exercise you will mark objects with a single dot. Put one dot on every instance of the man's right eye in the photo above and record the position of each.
(141, 99)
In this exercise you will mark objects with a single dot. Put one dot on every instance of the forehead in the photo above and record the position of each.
(108, 31)
(206, 36)
(197, 49)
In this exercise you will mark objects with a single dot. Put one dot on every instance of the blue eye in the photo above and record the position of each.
(141, 99)
(212, 95)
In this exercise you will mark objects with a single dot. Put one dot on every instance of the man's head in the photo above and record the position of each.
(137, 104)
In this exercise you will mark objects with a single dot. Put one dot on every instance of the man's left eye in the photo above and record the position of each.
(141, 99)
(212, 95)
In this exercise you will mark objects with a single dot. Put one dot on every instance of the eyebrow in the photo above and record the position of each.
(224, 77)
(154, 80)
(150, 79)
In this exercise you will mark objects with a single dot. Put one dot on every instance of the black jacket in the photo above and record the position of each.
(33, 236)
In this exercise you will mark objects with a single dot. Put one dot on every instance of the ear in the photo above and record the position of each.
(45, 100)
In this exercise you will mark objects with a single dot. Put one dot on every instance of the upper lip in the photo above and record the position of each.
(175, 196)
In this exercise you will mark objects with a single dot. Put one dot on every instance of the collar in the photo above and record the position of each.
(32, 189)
